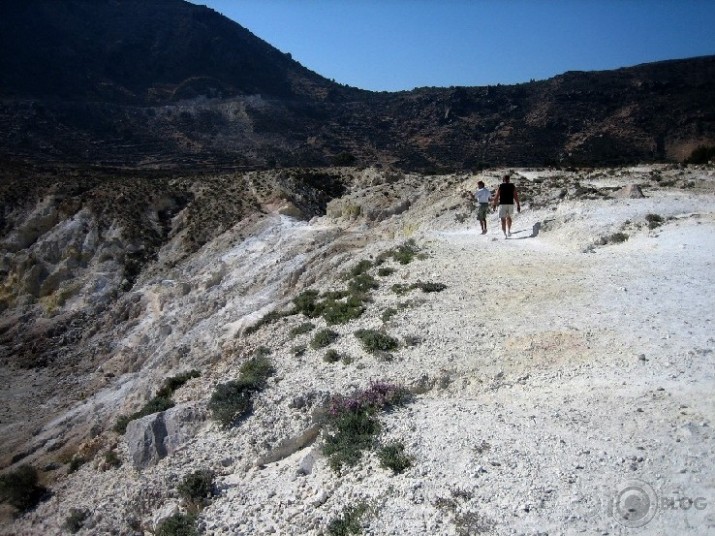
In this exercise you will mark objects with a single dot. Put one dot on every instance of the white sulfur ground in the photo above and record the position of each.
(571, 381)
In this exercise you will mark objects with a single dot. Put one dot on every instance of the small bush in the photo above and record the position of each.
(307, 304)
(256, 371)
(654, 220)
(231, 401)
(617, 238)
(388, 313)
(19, 488)
(401, 289)
(298, 350)
(269, 318)
(373, 341)
(384, 272)
(429, 286)
(197, 487)
(338, 312)
(362, 283)
(111, 459)
(352, 422)
(405, 253)
(75, 520)
(349, 521)
(175, 382)
(323, 338)
(360, 268)
(392, 456)
(178, 525)
(331, 356)
(75, 463)
(305, 327)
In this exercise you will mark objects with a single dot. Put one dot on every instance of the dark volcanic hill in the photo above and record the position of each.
(168, 84)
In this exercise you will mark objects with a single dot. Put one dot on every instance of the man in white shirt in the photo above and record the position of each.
(482, 195)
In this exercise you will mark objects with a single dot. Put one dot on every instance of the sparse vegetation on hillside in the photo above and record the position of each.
(231, 401)
(353, 424)
(20, 488)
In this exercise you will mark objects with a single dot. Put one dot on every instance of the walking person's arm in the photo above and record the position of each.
(496, 199)
(516, 198)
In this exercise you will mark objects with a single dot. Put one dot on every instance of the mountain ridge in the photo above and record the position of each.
(174, 85)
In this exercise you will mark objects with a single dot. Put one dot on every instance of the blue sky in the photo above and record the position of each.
(392, 45)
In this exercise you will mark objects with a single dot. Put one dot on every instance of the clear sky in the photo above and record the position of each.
(391, 45)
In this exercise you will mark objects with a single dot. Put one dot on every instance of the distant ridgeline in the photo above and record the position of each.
(168, 84)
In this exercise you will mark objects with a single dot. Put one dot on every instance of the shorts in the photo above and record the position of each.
(482, 211)
(506, 211)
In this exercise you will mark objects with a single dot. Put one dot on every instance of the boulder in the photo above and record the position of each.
(153, 437)
(631, 191)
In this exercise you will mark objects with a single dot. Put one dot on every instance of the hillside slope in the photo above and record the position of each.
(551, 369)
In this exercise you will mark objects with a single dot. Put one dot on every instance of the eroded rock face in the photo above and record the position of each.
(155, 436)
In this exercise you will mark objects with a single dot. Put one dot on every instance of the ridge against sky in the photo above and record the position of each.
(394, 45)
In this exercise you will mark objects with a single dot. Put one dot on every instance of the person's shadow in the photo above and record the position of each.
(534, 231)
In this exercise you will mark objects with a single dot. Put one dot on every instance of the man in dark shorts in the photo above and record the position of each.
(482, 195)
(505, 198)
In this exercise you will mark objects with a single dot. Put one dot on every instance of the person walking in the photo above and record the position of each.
(482, 195)
(505, 197)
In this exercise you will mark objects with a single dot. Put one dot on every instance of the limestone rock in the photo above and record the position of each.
(153, 437)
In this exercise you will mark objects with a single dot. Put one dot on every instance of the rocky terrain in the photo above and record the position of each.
(169, 84)
(494, 386)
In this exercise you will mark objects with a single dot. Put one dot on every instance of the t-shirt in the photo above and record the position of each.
(506, 193)
(483, 195)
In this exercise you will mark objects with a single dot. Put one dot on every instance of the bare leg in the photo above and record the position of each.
(503, 226)
(508, 225)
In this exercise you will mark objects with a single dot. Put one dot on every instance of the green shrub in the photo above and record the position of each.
(331, 356)
(111, 459)
(388, 313)
(75, 463)
(197, 487)
(338, 312)
(175, 382)
(360, 268)
(654, 220)
(362, 283)
(617, 238)
(392, 456)
(323, 338)
(268, 318)
(400, 288)
(352, 422)
(384, 272)
(429, 286)
(19, 488)
(404, 253)
(75, 520)
(349, 521)
(255, 372)
(298, 350)
(373, 340)
(307, 304)
(178, 525)
(305, 327)
(231, 401)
